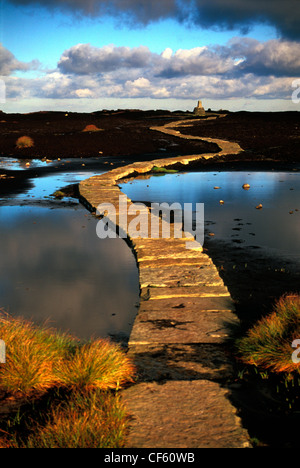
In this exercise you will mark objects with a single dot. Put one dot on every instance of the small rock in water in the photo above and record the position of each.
(246, 186)
(259, 207)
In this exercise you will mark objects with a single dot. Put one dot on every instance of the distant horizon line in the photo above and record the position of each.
(209, 111)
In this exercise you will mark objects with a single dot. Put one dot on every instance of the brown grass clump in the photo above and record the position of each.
(268, 345)
(94, 420)
(97, 365)
(24, 142)
(69, 390)
(32, 355)
(38, 359)
(92, 128)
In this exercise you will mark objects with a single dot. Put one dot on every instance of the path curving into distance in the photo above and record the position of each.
(178, 339)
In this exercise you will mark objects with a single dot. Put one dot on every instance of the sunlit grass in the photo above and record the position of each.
(163, 170)
(24, 142)
(92, 128)
(268, 344)
(96, 365)
(68, 390)
(89, 420)
(32, 356)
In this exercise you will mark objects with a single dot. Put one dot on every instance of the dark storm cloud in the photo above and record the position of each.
(141, 11)
(242, 14)
(284, 15)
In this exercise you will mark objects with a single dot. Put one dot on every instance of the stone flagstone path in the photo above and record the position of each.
(178, 340)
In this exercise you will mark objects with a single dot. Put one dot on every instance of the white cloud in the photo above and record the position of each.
(83, 93)
(167, 53)
(85, 59)
(9, 63)
(243, 68)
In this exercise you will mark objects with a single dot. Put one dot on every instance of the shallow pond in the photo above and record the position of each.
(54, 267)
(230, 210)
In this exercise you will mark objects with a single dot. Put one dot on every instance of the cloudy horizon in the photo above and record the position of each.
(87, 55)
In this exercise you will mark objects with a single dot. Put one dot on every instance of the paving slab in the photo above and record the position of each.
(150, 294)
(181, 361)
(221, 303)
(183, 414)
(170, 262)
(180, 276)
(181, 326)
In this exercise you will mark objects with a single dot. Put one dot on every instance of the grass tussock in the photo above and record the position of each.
(95, 365)
(32, 356)
(70, 389)
(91, 128)
(268, 345)
(24, 142)
(89, 420)
(163, 170)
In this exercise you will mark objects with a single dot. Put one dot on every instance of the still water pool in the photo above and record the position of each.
(54, 268)
(230, 211)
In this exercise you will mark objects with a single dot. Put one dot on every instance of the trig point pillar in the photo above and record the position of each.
(199, 110)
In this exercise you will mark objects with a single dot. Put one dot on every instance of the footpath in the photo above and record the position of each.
(178, 339)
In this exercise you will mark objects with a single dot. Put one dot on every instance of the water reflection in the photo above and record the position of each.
(54, 267)
(276, 227)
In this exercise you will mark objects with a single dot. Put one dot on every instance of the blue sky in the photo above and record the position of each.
(58, 57)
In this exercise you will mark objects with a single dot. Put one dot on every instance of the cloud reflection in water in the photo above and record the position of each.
(54, 267)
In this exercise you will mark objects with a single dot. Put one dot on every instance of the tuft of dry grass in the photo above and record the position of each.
(92, 128)
(38, 359)
(24, 142)
(94, 420)
(32, 355)
(96, 365)
(69, 389)
(268, 345)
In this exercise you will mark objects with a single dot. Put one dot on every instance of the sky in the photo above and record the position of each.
(88, 55)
